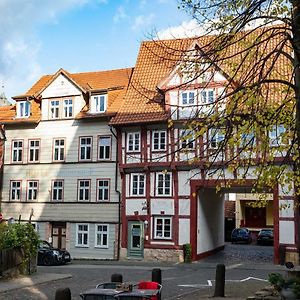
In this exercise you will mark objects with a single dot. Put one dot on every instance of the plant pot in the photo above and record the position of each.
(287, 293)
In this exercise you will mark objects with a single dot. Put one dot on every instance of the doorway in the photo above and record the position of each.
(59, 235)
(135, 239)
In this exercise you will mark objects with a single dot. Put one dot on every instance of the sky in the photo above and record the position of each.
(39, 37)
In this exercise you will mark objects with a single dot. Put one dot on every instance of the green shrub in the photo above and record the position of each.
(187, 253)
(19, 235)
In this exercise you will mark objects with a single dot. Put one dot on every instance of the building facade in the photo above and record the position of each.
(60, 161)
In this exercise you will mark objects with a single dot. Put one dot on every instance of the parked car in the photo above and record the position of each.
(241, 235)
(265, 237)
(48, 255)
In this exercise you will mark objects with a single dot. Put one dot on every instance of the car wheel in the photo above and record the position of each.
(47, 261)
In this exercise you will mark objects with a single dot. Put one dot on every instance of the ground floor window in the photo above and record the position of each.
(101, 238)
(82, 235)
(162, 227)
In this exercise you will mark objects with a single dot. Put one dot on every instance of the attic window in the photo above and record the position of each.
(99, 103)
(23, 109)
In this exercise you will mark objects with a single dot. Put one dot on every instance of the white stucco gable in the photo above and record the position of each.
(60, 87)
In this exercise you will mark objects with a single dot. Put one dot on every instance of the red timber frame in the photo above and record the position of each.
(197, 184)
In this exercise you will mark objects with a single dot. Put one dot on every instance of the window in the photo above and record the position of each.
(207, 96)
(103, 190)
(17, 151)
(82, 235)
(188, 98)
(101, 239)
(137, 184)
(99, 103)
(15, 190)
(276, 135)
(32, 190)
(54, 109)
(57, 190)
(23, 109)
(133, 141)
(104, 146)
(163, 184)
(162, 228)
(68, 108)
(247, 140)
(34, 150)
(187, 139)
(215, 137)
(159, 140)
(85, 148)
(59, 150)
(84, 190)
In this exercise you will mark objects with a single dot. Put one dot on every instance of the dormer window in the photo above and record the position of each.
(99, 103)
(23, 109)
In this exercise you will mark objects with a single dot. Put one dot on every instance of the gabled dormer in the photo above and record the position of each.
(98, 103)
(23, 109)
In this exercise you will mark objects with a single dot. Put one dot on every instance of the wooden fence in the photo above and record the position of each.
(10, 259)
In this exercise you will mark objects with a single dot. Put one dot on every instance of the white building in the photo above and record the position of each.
(60, 161)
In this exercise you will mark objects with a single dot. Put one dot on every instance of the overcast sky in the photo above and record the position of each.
(39, 37)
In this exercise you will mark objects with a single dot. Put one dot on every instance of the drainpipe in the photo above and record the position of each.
(118, 192)
(2, 144)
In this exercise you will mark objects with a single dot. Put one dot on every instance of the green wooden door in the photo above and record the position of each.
(135, 239)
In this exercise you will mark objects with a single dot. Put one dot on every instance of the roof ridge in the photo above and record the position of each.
(102, 71)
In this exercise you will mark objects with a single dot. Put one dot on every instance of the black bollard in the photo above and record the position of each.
(220, 281)
(116, 278)
(156, 275)
(63, 294)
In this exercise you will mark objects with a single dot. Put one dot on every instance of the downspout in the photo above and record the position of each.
(118, 192)
(2, 143)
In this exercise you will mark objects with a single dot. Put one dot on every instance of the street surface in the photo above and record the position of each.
(180, 281)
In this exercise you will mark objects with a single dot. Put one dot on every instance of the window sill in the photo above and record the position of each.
(101, 247)
(82, 246)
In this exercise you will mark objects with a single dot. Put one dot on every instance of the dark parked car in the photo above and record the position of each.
(48, 255)
(265, 237)
(241, 235)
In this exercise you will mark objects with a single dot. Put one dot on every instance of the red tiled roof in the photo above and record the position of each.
(115, 82)
(157, 59)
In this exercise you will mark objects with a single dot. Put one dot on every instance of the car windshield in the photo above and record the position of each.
(44, 244)
(266, 231)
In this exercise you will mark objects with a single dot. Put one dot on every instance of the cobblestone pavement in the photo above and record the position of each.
(234, 253)
(180, 281)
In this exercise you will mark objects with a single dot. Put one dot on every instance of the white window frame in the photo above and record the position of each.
(17, 190)
(35, 149)
(140, 184)
(83, 148)
(163, 186)
(103, 188)
(18, 150)
(68, 108)
(217, 135)
(159, 142)
(54, 109)
(56, 189)
(206, 97)
(102, 233)
(163, 230)
(189, 97)
(83, 233)
(134, 140)
(106, 148)
(86, 190)
(23, 109)
(187, 144)
(276, 135)
(59, 148)
(96, 103)
(33, 190)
